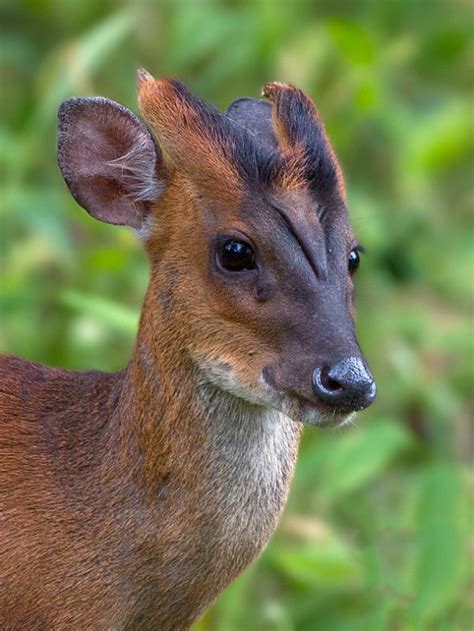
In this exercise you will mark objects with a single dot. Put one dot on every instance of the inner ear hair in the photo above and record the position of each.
(109, 160)
(138, 172)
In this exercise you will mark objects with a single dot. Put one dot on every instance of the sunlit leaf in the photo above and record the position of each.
(316, 555)
(360, 456)
(106, 311)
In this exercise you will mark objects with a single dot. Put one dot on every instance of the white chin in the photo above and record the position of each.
(221, 375)
(311, 415)
(323, 419)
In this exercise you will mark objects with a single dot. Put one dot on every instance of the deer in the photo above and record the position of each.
(130, 500)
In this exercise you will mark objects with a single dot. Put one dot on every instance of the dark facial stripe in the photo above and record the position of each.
(316, 257)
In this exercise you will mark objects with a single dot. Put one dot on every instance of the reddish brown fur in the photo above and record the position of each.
(187, 140)
(131, 500)
(97, 528)
(109, 520)
(271, 92)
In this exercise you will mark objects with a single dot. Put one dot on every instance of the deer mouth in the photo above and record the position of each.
(316, 414)
(302, 408)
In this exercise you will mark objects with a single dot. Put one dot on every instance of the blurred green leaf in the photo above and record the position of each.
(354, 41)
(359, 457)
(440, 559)
(314, 558)
(105, 311)
(331, 565)
(74, 64)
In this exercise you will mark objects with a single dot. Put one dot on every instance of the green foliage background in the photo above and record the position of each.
(376, 533)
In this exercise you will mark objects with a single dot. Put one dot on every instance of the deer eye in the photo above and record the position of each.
(236, 256)
(354, 260)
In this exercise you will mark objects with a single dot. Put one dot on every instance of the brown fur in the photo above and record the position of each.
(119, 512)
(131, 500)
(111, 519)
(189, 142)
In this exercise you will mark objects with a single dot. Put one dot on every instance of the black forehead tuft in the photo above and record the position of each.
(319, 165)
(256, 161)
(304, 128)
(245, 133)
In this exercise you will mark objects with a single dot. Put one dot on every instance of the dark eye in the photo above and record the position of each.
(236, 256)
(354, 261)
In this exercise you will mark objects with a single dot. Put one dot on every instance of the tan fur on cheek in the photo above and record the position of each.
(240, 381)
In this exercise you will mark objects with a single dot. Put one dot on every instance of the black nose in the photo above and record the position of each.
(348, 385)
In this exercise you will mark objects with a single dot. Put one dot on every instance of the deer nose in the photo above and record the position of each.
(348, 385)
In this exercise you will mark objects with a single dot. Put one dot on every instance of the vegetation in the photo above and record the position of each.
(375, 535)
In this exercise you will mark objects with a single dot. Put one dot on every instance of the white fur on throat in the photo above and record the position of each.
(253, 456)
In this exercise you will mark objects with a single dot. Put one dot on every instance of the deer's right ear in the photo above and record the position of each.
(109, 160)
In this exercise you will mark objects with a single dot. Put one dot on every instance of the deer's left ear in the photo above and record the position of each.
(109, 160)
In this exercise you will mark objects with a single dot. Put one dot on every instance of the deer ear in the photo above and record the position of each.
(109, 160)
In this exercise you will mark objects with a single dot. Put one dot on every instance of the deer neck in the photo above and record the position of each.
(176, 427)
